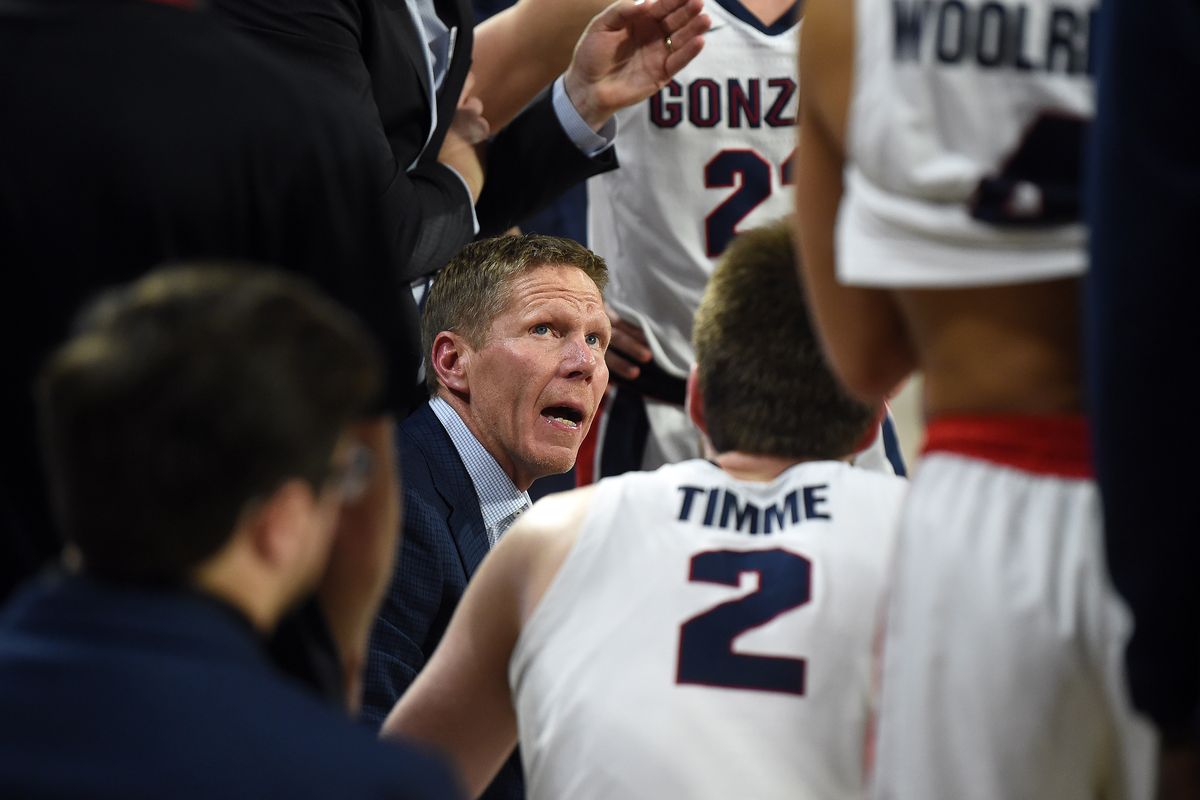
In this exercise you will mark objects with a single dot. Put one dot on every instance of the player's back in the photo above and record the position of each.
(709, 637)
(964, 141)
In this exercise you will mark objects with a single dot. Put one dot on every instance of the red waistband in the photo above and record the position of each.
(1046, 445)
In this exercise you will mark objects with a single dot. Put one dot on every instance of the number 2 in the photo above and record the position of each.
(706, 656)
(751, 174)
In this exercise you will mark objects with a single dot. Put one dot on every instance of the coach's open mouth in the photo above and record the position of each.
(564, 416)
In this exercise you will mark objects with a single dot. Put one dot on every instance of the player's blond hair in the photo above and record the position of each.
(766, 386)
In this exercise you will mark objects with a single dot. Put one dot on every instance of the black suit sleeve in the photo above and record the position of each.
(530, 163)
(428, 206)
(415, 611)
(366, 47)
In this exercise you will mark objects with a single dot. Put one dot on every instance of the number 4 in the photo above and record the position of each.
(706, 656)
(751, 174)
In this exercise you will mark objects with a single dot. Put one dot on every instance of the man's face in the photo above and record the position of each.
(535, 384)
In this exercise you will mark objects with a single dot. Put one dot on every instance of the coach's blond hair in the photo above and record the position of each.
(476, 286)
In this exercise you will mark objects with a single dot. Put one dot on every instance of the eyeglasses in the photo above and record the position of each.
(352, 476)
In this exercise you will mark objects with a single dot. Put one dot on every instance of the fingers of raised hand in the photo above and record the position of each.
(683, 12)
(686, 42)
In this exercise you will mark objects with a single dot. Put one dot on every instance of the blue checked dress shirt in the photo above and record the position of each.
(500, 501)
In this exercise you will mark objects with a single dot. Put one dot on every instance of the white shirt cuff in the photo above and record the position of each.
(589, 142)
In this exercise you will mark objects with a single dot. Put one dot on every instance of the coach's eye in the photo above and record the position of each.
(594, 340)
(541, 330)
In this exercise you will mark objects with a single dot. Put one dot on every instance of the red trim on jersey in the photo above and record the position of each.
(1049, 445)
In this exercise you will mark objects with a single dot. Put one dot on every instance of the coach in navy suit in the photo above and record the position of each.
(515, 332)
(201, 435)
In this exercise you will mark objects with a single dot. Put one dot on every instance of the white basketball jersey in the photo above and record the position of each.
(701, 160)
(965, 142)
(708, 637)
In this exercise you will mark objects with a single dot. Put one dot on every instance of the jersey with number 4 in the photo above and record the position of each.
(965, 142)
(709, 637)
(701, 160)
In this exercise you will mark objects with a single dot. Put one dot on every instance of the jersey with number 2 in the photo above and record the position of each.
(706, 157)
(709, 637)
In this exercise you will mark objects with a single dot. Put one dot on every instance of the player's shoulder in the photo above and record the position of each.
(533, 550)
(874, 499)
(554, 515)
(865, 491)
(870, 480)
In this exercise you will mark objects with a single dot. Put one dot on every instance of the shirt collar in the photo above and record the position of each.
(500, 501)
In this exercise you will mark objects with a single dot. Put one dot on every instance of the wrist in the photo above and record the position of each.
(584, 97)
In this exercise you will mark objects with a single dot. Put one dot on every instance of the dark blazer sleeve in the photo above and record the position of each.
(530, 163)
(429, 577)
(415, 611)
(366, 47)
(428, 204)
(443, 542)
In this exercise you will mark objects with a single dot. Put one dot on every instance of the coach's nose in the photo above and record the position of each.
(581, 358)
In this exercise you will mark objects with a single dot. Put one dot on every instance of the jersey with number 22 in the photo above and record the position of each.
(704, 158)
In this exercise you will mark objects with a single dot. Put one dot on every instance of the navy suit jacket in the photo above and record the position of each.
(373, 48)
(443, 544)
(118, 692)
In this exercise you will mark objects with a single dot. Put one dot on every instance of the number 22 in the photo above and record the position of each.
(751, 174)
(706, 656)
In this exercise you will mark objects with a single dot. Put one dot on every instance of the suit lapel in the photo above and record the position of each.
(456, 489)
(413, 42)
(468, 530)
(459, 14)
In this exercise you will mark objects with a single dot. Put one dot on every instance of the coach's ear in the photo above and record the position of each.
(450, 358)
(693, 404)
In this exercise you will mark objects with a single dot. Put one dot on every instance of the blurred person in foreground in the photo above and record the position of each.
(1144, 173)
(938, 197)
(201, 431)
(137, 133)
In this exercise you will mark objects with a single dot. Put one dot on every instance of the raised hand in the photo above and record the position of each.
(629, 51)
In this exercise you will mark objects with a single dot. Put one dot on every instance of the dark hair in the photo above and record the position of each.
(766, 385)
(475, 287)
(185, 396)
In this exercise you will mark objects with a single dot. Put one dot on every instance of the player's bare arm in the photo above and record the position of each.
(518, 52)
(461, 703)
(861, 329)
